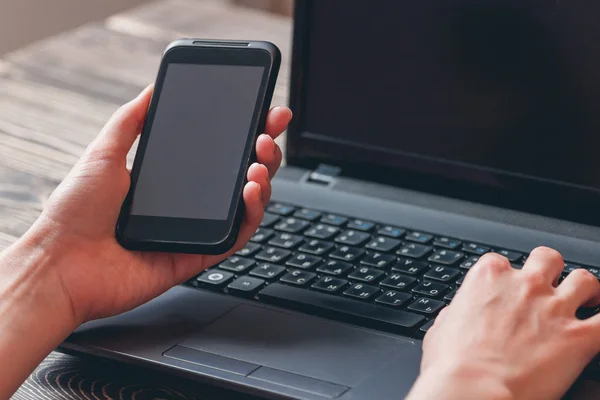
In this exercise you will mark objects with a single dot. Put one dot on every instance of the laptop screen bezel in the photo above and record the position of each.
(516, 192)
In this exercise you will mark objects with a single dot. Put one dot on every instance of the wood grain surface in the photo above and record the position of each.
(55, 96)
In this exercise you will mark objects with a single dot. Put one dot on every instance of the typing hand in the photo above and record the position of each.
(77, 227)
(511, 334)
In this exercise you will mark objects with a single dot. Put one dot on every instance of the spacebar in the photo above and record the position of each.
(341, 308)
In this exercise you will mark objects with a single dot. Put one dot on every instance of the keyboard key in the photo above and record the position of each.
(286, 240)
(281, 209)
(341, 308)
(447, 243)
(594, 271)
(322, 231)
(442, 274)
(393, 298)
(330, 284)
(410, 267)
(415, 250)
(352, 238)
(316, 247)
(460, 281)
(335, 267)
(391, 231)
(250, 249)
(261, 235)
(304, 261)
(430, 289)
(366, 274)
(419, 237)
(570, 267)
(450, 296)
(361, 225)
(379, 260)
(398, 282)
(469, 262)
(361, 291)
(384, 244)
(292, 225)
(446, 257)
(298, 278)
(426, 327)
(347, 253)
(268, 220)
(513, 256)
(236, 264)
(273, 255)
(309, 215)
(245, 285)
(215, 278)
(427, 306)
(475, 248)
(267, 271)
(333, 219)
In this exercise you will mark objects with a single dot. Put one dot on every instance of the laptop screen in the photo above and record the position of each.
(503, 94)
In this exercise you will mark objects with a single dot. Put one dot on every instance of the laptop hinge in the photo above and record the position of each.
(324, 175)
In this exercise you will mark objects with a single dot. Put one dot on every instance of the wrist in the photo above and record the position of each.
(459, 382)
(30, 281)
(35, 312)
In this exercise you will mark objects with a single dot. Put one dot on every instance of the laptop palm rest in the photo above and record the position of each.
(292, 350)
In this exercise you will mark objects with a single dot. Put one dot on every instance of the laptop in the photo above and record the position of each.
(425, 135)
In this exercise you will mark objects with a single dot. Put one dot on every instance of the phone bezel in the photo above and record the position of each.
(206, 236)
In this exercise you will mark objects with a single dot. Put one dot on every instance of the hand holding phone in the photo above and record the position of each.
(210, 102)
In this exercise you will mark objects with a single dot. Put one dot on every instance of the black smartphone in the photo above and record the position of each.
(210, 103)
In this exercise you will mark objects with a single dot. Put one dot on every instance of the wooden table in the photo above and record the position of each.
(54, 98)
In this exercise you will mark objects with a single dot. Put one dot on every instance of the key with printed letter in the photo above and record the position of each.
(304, 261)
(393, 298)
(361, 291)
(427, 306)
(330, 284)
(366, 274)
(236, 264)
(272, 254)
(415, 250)
(379, 260)
(398, 282)
(267, 271)
(335, 267)
(383, 244)
(298, 278)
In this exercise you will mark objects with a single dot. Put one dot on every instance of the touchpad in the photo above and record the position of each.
(299, 344)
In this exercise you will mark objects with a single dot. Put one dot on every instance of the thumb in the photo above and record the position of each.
(122, 129)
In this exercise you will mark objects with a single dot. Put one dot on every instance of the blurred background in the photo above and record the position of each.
(43, 18)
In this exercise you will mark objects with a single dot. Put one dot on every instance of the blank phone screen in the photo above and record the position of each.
(196, 142)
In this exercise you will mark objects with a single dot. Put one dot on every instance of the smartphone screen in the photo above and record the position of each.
(196, 142)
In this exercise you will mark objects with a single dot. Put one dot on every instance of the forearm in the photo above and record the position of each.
(35, 316)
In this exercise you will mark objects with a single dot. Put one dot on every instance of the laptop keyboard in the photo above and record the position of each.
(380, 276)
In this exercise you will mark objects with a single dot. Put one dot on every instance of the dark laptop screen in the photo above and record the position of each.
(497, 92)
